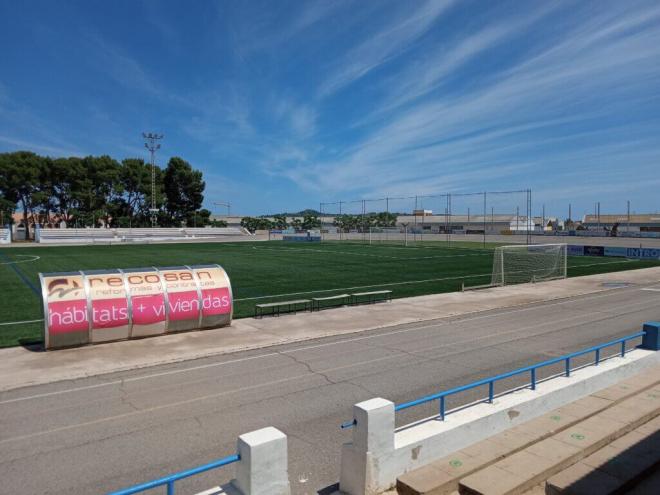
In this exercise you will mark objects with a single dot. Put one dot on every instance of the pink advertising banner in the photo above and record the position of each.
(100, 306)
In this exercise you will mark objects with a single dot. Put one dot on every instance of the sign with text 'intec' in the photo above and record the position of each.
(106, 305)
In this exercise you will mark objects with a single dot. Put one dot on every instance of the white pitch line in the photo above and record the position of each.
(408, 282)
(435, 324)
(651, 289)
(349, 253)
(20, 322)
(32, 256)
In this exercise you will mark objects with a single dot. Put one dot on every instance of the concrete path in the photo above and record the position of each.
(95, 434)
(21, 367)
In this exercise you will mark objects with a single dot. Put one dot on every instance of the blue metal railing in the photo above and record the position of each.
(441, 396)
(169, 480)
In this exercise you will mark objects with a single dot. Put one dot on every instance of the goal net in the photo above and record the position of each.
(528, 263)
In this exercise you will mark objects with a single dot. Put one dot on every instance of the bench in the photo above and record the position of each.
(372, 297)
(343, 299)
(292, 307)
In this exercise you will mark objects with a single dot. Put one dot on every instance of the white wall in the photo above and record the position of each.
(378, 454)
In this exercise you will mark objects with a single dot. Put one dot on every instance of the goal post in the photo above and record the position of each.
(519, 264)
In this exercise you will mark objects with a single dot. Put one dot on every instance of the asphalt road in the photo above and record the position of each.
(97, 434)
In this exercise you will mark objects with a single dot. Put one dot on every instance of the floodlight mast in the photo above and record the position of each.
(227, 205)
(152, 145)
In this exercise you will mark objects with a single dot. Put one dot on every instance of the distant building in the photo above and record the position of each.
(648, 222)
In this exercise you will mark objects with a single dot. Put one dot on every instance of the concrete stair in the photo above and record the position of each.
(614, 468)
(520, 459)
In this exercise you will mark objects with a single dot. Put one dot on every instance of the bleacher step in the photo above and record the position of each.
(523, 470)
(613, 468)
(442, 476)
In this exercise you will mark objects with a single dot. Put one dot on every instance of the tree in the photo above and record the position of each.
(20, 178)
(254, 224)
(199, 218)
(279, 222)
(184, 189)
(311, 222)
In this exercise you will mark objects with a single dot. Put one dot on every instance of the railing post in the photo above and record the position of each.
(568, 366)
(623, 348)
(373, 440)
(597, 357)
(170, 488)
(491, 390)
(651, 338)
(533, 370)
(263, 465)
(442, 408)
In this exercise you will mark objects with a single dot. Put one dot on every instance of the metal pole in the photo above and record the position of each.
(449, 233)
(485, 219)
(415, 220)
(517, 218)
(153, 146)
(543, 220)
(569, 215)
(628, 226)
(363, 206)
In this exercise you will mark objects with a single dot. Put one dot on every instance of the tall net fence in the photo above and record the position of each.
(506, 216)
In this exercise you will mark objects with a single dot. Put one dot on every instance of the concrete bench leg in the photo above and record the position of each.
(263, 465)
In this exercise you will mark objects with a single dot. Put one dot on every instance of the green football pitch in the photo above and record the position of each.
(265, 271)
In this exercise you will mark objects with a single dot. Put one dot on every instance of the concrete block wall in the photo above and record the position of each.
(378, 454)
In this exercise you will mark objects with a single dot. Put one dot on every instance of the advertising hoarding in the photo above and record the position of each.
(594, 251)
(575, 250)
(643, 253)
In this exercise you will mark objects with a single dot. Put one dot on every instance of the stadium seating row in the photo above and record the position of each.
(134, 235)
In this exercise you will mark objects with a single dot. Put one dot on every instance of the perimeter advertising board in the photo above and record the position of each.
(106, 305)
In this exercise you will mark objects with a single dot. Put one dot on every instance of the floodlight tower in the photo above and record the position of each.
(152, 145)
(227, 205)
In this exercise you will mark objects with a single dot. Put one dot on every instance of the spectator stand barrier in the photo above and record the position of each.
(94, 306)
(379, 451)
(490, 381)
(261, 467)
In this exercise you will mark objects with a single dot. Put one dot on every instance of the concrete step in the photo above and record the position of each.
(522, 470)
(614, 468)
(441, 477)
(648, 486)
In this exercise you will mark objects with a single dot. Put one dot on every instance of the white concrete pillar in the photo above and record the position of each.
(263, 465)
(373, 440)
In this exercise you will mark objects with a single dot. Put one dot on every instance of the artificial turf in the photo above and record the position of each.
(266, 271)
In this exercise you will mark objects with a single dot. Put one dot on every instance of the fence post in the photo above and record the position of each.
(263, 465)
(373, 438)
(651, 338)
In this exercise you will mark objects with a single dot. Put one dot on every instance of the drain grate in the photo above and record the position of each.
(616, 285)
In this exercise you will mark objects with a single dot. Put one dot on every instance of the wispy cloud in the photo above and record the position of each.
(390, 41)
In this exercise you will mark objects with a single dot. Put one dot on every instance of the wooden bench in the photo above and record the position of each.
(292, 307)
(343, 299)
(372, 296)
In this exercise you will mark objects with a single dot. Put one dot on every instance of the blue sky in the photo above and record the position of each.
(286, 104)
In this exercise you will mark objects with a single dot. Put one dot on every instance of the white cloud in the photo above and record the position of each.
(389, 42)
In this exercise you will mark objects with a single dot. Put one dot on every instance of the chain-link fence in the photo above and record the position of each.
(432, 217)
